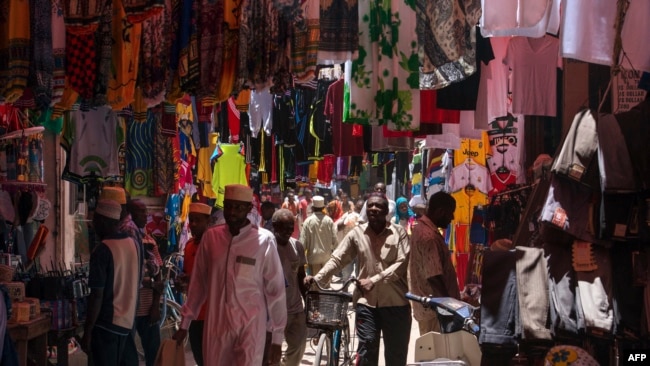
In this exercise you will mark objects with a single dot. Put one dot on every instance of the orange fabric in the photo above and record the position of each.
(462, 238)
(188, 265)
(126, 51)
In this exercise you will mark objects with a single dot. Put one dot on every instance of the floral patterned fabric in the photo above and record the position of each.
(446, 31)
(383, 80)
(565, 355)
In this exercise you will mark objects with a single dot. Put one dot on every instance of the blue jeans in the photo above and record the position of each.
(394, 323)
(499, 303)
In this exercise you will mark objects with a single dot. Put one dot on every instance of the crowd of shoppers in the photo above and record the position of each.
(247, 279)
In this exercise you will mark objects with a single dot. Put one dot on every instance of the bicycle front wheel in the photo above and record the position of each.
(171, 320)
(322, 354)
(346, 352)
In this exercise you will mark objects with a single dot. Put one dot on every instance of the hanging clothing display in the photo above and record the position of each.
(343, 140)
(126, 47)
(58, 50)
(383, 79)
(492, 101)
(503, 18)
(533, 62)
(14, 46)
(139, 156)
(167, 153)
(42, 62)
(229, 168)
(339, 22)
(305, 42)
(476, 150)
(470, 173)
(588, 33)
(211, 46)
(506, 137)
(447, 55)
(261, 111)
(154, 56)
(90, 139)
(462, 95)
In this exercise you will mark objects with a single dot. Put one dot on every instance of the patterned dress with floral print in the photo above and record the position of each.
(382, 82)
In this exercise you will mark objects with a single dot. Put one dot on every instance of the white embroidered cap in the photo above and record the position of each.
(238, 192)
(201, 208)
(109, 208)
(318, 201)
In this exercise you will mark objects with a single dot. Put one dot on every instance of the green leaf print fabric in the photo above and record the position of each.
(382, 83)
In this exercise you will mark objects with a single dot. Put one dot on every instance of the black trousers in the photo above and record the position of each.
(394, 323)
(196, 340)
(107, 348)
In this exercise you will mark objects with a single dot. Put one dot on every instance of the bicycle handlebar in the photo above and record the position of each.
(454, 306)
(342, 289)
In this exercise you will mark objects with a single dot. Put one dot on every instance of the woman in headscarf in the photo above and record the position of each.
(334, 210)
(403, 213)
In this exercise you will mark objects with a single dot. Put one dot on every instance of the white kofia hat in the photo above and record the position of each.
(239, 192)
(318, 201)
(109, 208)
(201, 208)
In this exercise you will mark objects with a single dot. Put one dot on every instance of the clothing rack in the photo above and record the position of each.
(524, 187)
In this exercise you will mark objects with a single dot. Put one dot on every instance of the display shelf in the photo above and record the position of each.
(14, 185)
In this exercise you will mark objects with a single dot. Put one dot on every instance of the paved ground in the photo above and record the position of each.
(308, 358)
(79, 358)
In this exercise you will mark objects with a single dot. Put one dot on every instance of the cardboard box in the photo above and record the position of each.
(34, 307)
(20, 312)
(16, 291)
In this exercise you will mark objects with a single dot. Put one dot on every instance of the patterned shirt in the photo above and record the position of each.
(382, 258)
(429, 257)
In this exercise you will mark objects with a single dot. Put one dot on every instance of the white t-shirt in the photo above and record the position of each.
(533, 62)
(261, 111)
(588, 30)
(94, 145)
(527, 18)
(470, 173)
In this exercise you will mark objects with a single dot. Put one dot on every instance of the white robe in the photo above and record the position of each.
(242, 281)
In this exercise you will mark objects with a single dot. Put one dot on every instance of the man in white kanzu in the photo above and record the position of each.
(242, 282)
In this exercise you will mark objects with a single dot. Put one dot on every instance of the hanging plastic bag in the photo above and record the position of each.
(170, 353)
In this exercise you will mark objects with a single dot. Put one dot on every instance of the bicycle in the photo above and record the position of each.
(170, 314)
(327, 312)
(170, 310)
